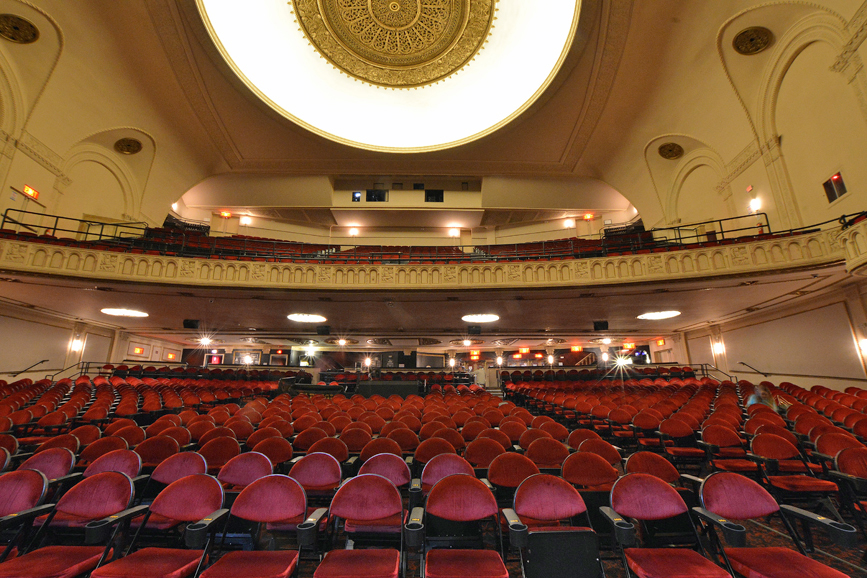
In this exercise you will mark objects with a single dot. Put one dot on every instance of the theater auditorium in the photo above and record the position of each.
(433, 288)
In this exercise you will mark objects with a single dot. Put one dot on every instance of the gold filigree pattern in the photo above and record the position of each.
(396, 43)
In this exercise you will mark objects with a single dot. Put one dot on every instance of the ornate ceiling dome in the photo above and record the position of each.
(324, 64)
(397, 43)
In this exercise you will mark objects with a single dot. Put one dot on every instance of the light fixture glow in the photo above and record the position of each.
(588, 216)
(306, 318)
(213, 351)
(246, 220)
(366, 362)
(76, 344)
(341, 342)
(499, 360)
(577, 348)
(353, 232)
(657, 315)
(622, 361)
(569, 223)
(505, 78)
(605, 357)
(205, 340)
(175, 207)
(123, 312)
(755, 205)
(660, 342)
(467, 342)
(452, 362)
(454, 233)
(863, 345)
(719, 348)
(247, 359)
(606, 341)
(225, 214)
(627, 345)
(550, 360)
(481, 318)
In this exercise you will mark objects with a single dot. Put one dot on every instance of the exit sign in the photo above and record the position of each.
(31, 192)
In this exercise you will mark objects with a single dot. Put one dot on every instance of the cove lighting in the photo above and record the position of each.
(123, 312)
(306, 318)
(481, 318)
(657, 315)
(505, 78)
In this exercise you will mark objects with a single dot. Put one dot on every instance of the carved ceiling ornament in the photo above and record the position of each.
(396, 43)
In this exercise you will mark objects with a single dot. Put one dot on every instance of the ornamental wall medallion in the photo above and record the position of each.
(396, 43)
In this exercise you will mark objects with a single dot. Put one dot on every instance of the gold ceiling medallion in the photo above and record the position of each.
(752, 40)
(128, 146)
(671, 151)
(397, 43)
(16, 29)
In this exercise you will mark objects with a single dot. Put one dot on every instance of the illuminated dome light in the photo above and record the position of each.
(481, 318)
(306, 318)
(657, 315)
(123, 312)
(521, 57)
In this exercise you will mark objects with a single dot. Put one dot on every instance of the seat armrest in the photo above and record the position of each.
(823, 457)
(518, 531)
(14, 520)
(99, 531)
(840, 533)
(308, 530)
(74, 477)
(859, 484)
(735, 534)
(709, 447)
(516, 448)
(415, 494)
(141, 478)
(624, 532)
(772, 467)
(488, 483)
(413, 531)
(409, 461)
(196, 535)
(294, 460)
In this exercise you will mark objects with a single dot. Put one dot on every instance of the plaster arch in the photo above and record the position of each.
(87, 152)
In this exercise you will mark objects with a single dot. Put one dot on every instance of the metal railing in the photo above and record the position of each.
(138, 237)
(53, 226)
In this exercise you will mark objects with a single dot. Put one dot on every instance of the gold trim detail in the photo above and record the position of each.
(396, 43)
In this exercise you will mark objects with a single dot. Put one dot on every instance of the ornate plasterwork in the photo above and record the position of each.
(396, 43)
(770, 255)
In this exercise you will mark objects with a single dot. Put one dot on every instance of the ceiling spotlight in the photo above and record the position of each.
(306, 318)
(606, 341)
(123, 312)
(481, 318)
(569, 223)
(341, 342)
(657, 315)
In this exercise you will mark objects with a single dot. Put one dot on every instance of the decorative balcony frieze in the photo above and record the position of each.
(761, 256)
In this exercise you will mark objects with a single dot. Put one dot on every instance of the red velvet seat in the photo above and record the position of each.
(547, 453)
(244, 469)
(653, 464)
(589, 471)
(389, 466)
(218, 451)
(269, 499)
(441, 466)
(125, 461)
(179, 466)
(601, 448)
(278, 450)
(189, 499)
(731, 496)
(318, 474)
(54, 463)
(94, 498)
(405, 438)
(368, 503)
(379, 446)
(481, 452)
(461, 498)
(331, 446)
(155, 450)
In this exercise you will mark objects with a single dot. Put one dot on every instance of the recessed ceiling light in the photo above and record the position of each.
(656, 315)
(306, 318)
(123, 312)
(481, 318)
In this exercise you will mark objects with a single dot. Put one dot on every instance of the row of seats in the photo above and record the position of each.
(448, 488)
